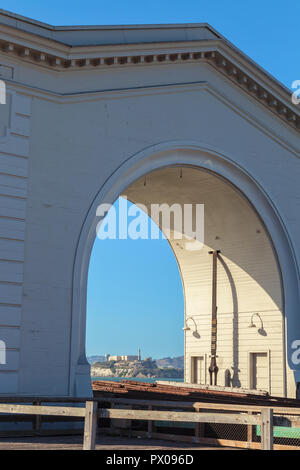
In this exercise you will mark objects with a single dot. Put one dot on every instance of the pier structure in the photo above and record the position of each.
(164, 114)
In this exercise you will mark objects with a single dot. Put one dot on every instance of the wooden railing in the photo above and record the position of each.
(280, 416)
(264, 417)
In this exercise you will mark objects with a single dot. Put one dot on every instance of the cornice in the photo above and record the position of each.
(20, 19)
(62, 58)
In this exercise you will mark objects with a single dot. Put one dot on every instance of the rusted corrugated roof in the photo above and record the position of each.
(154, 391)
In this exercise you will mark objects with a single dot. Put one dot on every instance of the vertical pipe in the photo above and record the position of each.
(213, 368)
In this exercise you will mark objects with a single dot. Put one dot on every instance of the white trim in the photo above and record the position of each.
(70, 98)
(260, 351)
(192, 377)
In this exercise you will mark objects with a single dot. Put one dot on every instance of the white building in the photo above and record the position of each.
(90, 113)
(123, 358)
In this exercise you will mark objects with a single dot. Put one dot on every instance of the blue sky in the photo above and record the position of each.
(135, 298)
(134, 292)
(268, 31)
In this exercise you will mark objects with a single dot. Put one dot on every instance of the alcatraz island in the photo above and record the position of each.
(135, 366)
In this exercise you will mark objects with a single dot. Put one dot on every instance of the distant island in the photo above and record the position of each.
(148, 368)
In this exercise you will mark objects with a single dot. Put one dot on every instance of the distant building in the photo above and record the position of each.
(115, 358)
(129, 358)
(123, 358)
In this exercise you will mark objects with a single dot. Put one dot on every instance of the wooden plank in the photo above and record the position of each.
(267, 429)
(294, 413)
(198, 405)
(17, 399)
(42, 410)
(179, 416)
(249, 432)
(246, 408)
(90, 425)
(154, 403)
(203, 440)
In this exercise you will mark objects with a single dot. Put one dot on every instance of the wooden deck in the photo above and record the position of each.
(103, 443)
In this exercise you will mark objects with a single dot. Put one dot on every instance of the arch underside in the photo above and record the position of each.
(248, 280)
(256, 269)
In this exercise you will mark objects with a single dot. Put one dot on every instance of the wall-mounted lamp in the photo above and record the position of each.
(260, 330)
(187, 327)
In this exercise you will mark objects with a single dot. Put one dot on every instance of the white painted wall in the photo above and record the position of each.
(14, 153)
(72, 132)
(248, 279)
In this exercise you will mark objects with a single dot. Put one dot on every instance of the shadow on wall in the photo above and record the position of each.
(231, 224)
(235, 381)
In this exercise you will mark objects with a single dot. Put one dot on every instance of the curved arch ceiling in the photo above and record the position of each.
(248, 276)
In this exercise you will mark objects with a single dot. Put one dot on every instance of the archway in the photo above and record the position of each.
(134, 294)
(222, 168)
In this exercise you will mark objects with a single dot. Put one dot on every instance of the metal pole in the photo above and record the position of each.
(213, 368)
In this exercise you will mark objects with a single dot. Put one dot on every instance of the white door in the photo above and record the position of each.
(198, 370)
(259, 370)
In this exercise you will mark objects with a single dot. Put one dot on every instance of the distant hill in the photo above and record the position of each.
(147, 368)
(176, 362)
(92, 359)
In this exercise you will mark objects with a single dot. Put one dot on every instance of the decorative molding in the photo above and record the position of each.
(213, 57)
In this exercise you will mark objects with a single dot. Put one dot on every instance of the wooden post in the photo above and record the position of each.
(90, 425)
(199, 428)
(249, 432)
(267, 429)
(150, 424)
(37, 419)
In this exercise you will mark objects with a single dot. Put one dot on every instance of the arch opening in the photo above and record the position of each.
(134, 300)
(250, 279)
